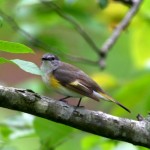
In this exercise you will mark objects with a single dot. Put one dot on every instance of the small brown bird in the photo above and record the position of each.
(71, 81)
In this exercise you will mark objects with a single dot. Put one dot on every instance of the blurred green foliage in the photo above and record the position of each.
(126, 77)
(103, 3)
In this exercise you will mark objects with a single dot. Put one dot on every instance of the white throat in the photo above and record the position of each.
(46, 67)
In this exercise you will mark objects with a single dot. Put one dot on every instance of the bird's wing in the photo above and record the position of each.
(78, 87)
(75, 80)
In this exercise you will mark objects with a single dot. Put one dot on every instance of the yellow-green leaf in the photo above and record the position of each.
(13, 47)
(140, 45)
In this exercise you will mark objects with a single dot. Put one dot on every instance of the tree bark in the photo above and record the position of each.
(96, 122)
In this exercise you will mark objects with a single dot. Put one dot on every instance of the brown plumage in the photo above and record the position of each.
(72, 74)
(71, 81)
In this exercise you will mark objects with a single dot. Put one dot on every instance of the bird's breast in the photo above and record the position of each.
(54, 82)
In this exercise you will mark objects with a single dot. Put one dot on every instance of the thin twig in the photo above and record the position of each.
(82, 60)
(71, 20)
(102, 52)
(116, 33)
(32, 40)
(38, 43)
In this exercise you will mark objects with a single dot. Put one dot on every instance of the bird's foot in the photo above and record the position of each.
(63, 100)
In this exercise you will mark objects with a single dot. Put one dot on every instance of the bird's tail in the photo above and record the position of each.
(109, 98)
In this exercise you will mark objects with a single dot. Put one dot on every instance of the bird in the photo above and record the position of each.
(71, 81)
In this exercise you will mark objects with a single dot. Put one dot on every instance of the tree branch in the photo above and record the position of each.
(40, 44)
(96, 122)
(72, 21)
(101, 52)
(32, 40)
(116, 33)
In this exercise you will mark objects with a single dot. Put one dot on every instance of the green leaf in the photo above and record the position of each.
(24, 65)
(93, 142)
(103, 3)
(51, 133)
(5, 132)
(26, 143)
(12, 47)
(140, 45)
(135, 95)
(27, 66)
(3, 60)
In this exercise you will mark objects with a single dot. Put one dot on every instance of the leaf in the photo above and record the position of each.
(51, 133)
(135, 95)
(103, 3)
(141, 45)
(93, 142)
(24, 65)
(26, 143)
(3, 60)
(12, 47)
(5, 132)
(27, 66)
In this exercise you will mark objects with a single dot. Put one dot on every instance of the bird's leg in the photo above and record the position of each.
(78, 105)
(64, 99)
